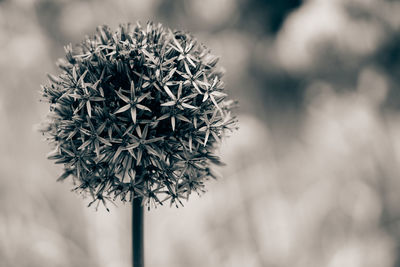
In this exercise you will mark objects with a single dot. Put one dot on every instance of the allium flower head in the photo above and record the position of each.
(137, 112)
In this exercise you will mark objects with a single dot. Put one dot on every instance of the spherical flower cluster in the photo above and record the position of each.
(137, 112)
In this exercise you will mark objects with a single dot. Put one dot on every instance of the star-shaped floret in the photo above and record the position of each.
(141, 142)
(132, 103)
(94, 137)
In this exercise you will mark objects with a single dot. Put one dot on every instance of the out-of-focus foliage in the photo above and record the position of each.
(311, 176)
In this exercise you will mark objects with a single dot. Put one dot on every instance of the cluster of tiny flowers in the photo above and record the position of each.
(138, 112)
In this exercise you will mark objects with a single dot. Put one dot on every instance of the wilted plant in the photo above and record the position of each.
(137, 114)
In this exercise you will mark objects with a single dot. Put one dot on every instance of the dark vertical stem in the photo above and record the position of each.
(137, 233)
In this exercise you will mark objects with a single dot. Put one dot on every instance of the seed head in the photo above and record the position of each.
(137, 112)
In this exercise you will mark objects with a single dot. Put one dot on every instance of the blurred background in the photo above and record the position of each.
(312, 176)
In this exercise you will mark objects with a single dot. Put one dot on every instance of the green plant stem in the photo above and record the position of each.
(137, 233)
